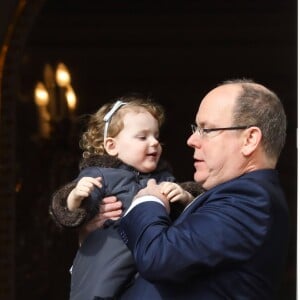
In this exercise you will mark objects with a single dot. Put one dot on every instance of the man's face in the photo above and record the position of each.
(217, 154)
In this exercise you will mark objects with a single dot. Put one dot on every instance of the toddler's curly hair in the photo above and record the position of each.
(92, 140)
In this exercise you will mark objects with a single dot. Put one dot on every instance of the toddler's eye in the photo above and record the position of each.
(141, 137)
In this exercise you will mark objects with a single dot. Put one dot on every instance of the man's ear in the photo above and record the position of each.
(252, 139)
(110, 146)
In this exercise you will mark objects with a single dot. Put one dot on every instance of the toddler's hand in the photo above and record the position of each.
(82, 190)
(174, 192)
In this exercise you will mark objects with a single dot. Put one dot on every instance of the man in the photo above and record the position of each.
(231, 241)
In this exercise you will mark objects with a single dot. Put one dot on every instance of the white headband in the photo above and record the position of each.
(109, 115)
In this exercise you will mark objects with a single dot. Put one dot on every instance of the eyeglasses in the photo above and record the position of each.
(206, 131)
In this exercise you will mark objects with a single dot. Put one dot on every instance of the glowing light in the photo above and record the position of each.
(41, 95)
(71, 98)
(63, 77)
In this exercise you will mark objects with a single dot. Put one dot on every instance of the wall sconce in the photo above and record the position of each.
(55, 98)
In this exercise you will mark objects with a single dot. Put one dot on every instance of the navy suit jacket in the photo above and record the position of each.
(229, 243)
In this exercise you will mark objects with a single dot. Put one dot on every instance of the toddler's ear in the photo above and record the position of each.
(111, 146)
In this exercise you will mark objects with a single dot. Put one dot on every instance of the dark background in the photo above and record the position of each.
(174, 51)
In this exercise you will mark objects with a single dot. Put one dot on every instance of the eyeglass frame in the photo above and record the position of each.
(204, 131)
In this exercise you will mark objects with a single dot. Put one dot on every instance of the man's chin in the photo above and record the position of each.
(198, 178)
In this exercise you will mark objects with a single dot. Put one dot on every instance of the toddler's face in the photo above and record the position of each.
(137, 143)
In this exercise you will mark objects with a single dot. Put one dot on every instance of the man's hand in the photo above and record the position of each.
(153, 189)
(110, 208)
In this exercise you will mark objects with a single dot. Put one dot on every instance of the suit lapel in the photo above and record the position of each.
(198, 201)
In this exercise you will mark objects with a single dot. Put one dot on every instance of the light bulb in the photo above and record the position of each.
(71, 98)
(41, 95)
(63, 77)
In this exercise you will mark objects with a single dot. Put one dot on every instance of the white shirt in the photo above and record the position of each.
(143, 199)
